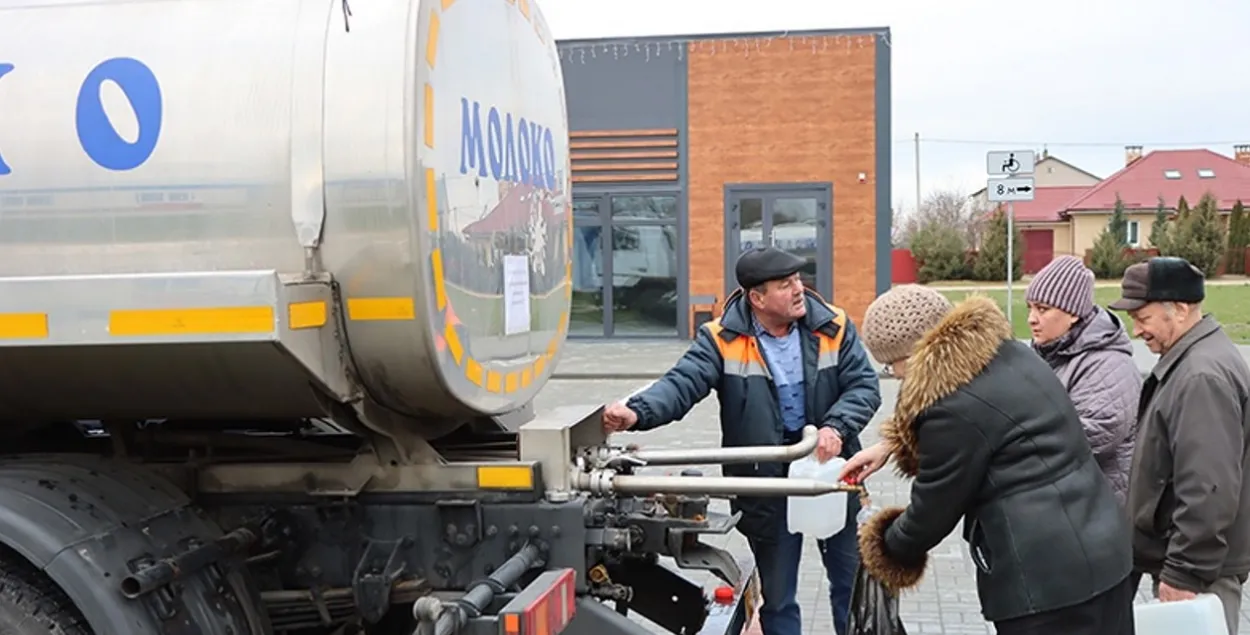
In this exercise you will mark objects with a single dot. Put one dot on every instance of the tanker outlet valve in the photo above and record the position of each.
(608, 482)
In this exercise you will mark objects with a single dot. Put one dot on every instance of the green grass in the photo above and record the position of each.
(488, 316)
(1230, 304)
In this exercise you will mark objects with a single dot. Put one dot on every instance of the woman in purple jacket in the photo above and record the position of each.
(1089, 349)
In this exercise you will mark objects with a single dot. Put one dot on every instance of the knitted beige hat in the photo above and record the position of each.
(897, 319)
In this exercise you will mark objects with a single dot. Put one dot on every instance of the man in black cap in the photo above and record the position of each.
(779, 358)
(1189, 498)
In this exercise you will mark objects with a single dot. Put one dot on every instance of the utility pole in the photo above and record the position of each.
(919, 198)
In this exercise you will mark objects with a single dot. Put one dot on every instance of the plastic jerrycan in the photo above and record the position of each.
(817, 516)
(1203, 615)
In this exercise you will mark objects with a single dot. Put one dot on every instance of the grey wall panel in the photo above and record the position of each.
(624, 84)
(885, 163)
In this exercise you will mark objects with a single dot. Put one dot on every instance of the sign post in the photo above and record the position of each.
(1010, 180)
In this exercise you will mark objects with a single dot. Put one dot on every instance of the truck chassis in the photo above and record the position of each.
(159, 528)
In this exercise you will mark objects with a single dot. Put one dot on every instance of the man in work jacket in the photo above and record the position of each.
(779, 358)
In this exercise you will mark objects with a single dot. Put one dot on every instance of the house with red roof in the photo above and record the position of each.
(1067, 218)
(1159, 174)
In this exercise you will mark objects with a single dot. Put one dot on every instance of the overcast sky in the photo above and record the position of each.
(1084, 77)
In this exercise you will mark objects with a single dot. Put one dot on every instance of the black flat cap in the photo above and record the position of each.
(1160, 279)
(759, 265)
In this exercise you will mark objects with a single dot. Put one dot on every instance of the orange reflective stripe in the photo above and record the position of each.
(740, 356)
(743, 350)
(827, 357)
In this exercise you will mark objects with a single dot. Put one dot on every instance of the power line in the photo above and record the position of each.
(1073, 144)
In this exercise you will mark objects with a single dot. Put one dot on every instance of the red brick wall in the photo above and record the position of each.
(790, 110)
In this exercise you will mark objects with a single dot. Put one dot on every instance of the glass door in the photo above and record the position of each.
(626, 265)
(793, 217)
(590, 269)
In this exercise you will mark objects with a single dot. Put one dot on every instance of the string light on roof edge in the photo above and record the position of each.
(713, 45)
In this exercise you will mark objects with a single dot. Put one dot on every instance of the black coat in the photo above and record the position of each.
(990, 435)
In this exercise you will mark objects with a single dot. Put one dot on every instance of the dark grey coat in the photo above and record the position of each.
(1189, 497)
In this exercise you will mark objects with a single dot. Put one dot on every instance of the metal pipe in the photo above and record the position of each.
(606, 483)
(727, 456)
(166, 570)
(456, 614)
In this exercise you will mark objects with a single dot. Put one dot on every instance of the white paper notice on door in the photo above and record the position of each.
(516, 294)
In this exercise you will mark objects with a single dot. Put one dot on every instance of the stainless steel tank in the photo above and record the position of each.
(241, 208)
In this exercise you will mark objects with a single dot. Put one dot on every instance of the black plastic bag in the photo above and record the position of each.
(873, 610)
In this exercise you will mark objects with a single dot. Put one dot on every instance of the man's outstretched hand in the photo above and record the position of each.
(828, 444)
(618, 417)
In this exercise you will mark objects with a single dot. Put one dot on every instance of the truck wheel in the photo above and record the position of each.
(31, 604)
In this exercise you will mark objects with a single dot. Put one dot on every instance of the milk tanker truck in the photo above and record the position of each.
(279, 282)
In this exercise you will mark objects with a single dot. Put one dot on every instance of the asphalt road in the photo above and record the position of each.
(946, 601)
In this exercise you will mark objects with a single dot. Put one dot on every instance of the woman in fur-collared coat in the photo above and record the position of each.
(988, 434)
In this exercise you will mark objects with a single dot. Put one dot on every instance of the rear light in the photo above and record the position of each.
(545, 607)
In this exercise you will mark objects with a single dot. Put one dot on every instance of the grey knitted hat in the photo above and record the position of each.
(896, 320)
(1066, 284)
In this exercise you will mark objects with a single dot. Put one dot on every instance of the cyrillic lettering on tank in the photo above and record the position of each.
(472, 150)
(96, 134)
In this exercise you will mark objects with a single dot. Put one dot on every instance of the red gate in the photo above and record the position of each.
(1039, 249)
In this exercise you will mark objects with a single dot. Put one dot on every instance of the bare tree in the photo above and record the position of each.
(900, 228)
(949, 208)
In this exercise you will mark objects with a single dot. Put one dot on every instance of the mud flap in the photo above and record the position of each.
(661, 595)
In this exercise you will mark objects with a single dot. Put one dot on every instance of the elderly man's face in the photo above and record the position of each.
(1160, 324)
(780, 299)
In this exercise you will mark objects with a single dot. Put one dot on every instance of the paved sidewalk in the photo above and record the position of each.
(946, 601)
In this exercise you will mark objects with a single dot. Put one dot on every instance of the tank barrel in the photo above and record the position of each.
(726, 456)
(166, 570)
(641, 484)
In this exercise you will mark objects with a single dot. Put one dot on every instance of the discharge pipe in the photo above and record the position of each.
(607, 482)
(452, 616)
(727, 456)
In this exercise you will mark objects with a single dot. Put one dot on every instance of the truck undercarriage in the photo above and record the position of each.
(301, 529)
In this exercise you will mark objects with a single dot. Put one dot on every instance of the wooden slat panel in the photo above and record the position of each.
(646, 154)
(623, 178)
(606, 145)
(621, 167)
(599, 134)
(624, 156)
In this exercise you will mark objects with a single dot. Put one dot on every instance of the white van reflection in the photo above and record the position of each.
(798, 238)
(644, 268)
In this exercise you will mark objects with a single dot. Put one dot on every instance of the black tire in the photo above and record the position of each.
(31, 604)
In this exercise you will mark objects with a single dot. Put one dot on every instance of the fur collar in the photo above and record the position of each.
(949, 356)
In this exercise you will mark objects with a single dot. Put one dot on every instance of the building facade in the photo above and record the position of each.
(687, 150)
